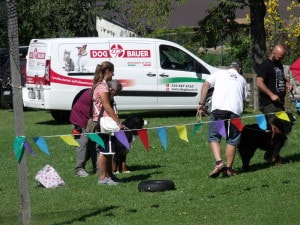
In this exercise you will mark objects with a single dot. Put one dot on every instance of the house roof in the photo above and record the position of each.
(188, 14)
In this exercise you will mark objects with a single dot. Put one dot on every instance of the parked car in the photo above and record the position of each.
(5, 76)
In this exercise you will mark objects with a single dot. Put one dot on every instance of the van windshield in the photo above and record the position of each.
(172, 58)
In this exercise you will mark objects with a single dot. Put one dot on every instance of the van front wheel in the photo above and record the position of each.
(60, 116)
(207, 109)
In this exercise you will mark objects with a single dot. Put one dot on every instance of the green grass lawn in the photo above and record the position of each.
(266, 195)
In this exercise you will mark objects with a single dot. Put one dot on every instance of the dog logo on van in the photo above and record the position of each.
(116, 50)
(82, 60)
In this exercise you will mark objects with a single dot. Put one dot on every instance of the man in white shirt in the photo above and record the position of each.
(228, 99)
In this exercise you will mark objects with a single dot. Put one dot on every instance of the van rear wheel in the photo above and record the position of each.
(60, 116)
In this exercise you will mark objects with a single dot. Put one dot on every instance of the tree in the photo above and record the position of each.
(57, 18)
(216, 22)
(142, 16)
(286, 31)
(220, 23)
(77, 18)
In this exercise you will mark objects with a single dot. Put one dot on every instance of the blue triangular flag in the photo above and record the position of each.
(162, 134)
(261, 121)
(40, 141)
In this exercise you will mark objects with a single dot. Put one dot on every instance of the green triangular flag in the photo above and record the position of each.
(96, 138)
(19, 147)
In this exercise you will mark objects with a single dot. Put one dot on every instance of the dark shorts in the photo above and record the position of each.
(233, 135)
(110, 145)
(268, 111)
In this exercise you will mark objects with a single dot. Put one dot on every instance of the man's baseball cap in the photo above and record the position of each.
(236, 64)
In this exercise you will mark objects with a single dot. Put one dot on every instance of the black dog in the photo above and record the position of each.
(252, 137)
(132, 123)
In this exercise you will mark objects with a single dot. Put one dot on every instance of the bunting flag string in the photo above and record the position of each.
(261, 121)
(220, 125)
(28, 148)
(162, 134)
(20, 143)
(18, 147)
(182, 132)
(69, 139)
(197, 128)
(41, 143)
(143, 135)
(96, 138)
(121, 136)
(283, 116)
(237, 122)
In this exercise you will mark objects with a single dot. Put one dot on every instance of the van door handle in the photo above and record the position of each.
(163, 75)
(151, 74)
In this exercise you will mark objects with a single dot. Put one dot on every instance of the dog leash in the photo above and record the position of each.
(198, 120)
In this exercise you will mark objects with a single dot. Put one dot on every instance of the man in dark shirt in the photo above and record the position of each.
(273, 86)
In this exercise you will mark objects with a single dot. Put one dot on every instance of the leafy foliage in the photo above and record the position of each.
(77, 18)
(219, 23)
(238, 48)
(284, 31)
(57, 18)
(143, 16)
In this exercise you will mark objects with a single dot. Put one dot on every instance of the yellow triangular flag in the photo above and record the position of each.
(69, 139)
(283, 116)
(182, 132)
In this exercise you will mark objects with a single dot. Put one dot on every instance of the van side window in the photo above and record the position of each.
(172, 58)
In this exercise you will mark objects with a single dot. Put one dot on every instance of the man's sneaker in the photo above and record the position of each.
(217, 170)
(81, 173)
(107, 181)
(229, 172)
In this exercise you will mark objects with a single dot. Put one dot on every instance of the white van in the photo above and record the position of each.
(155, 74)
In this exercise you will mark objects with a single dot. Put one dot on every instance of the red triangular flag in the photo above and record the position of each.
(143, 135)
(295, 68)
(237, 122)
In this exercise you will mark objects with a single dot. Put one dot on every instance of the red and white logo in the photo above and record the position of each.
(37, 55)
(116, 50)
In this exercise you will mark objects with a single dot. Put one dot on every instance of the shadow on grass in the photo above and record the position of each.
(53, 122)
(84, 217)
(264, 165)
(143, 167)
(158, 114)
(139, 177)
